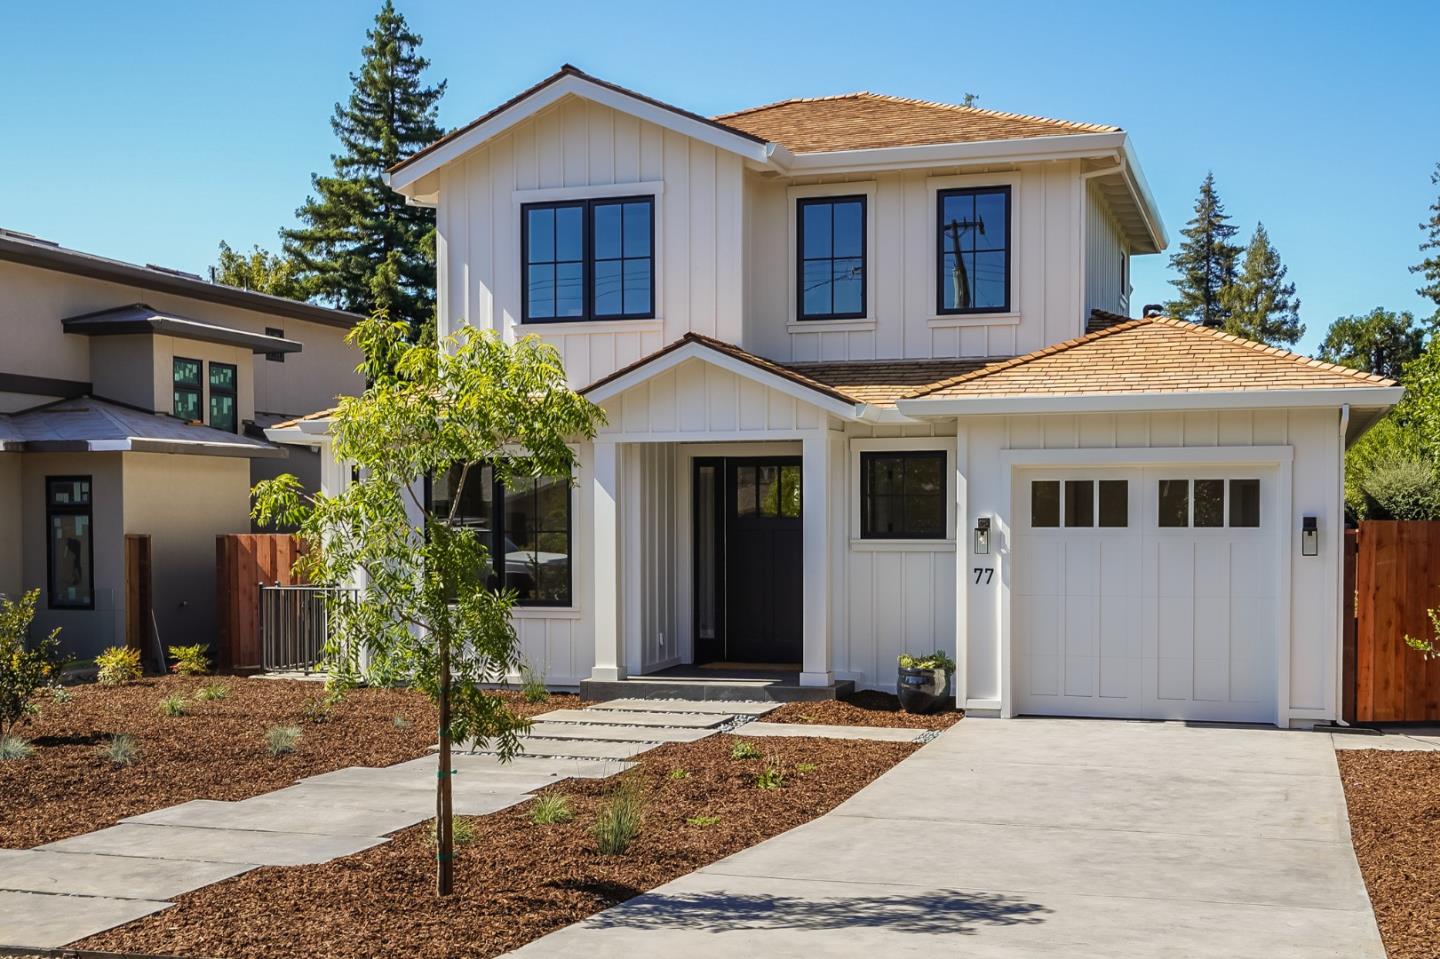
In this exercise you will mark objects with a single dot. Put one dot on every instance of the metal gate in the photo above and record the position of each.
(296, 624)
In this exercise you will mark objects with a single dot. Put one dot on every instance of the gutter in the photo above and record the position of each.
(1372, 397)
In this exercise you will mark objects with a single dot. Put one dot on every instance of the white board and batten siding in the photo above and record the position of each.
(578, 149)
(1107, 271)
(1294, 452)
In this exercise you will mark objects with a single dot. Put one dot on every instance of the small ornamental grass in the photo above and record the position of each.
(462, 831)
(744, 749)
(212, 692)
(804, 768)
(400, 722)
(120, 750)
(318, 709)
(532, 686)
(280, 740)
(620, 818)
(772, 776)
(552, 809)
(702, 821)
(189, 660)
(678, 773)
(15, 748)
(173, 706)
(117, 666)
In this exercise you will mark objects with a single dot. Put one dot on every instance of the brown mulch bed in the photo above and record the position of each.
(516, 881)
(865, 708)
(215, 751)
(1394, 803)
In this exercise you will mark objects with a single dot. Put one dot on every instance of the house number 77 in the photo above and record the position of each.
(985, 572)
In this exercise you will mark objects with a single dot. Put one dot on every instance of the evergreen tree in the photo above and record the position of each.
(1205, 260)
(361, 248)
(259, 270)
(1258, 304)
(1429, 268)
(1379, 342)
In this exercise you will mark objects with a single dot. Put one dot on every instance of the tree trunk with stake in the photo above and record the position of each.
(444, 838)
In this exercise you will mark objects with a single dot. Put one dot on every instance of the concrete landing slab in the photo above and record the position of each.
(214, 845)
(267, 814)
(619, 734)
(717, 707)
(635, 718)
(542, 747)
(40, 921)
(119, 877)
(881, 734)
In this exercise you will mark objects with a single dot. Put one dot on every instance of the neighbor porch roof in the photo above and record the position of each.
(144, 319)
(88, 424)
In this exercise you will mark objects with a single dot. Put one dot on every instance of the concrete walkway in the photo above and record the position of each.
(1065, 838)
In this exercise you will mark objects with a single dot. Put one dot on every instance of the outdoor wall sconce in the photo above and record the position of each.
(1309, 537)
(982, 535)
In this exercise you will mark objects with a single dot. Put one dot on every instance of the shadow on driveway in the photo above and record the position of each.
(942, 911)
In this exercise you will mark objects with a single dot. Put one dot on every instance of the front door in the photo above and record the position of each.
(754, 541)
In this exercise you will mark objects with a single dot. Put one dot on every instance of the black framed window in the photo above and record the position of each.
(70, 542)
(973, 250)
(1082, 503)
(830, 258)
(527, 522)
(185, 377)
(902, 494)
(1208, 503)
(275, 357)
(223, 395)
(588, 259)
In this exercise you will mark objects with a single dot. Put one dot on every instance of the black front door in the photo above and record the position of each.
(755, 544)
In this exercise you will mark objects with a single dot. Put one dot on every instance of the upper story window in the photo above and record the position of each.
(830, 258)
(222, 397)
(588, 259)
(186, 383)
(973, 250)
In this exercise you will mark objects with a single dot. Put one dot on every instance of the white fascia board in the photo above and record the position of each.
(1026, 149)
(699, 351)
(1360, 398)
(1141, 188)
(581, 87)
(295, 435)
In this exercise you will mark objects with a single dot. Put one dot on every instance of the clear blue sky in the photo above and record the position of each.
(150, 131)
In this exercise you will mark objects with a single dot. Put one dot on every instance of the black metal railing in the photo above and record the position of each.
(297, 625)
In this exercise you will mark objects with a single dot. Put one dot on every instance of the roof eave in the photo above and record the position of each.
(183, 328)
(1360, 397)
(1029, 149)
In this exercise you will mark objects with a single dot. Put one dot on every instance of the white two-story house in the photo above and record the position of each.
(871, 387)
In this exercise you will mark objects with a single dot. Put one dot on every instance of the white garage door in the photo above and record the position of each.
(1145, 593)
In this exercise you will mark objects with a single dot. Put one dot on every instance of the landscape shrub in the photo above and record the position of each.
(620, 818)
(189, 660)
(280, 740)
(119, 750)
(1406, 489)
(24, 669)
(744, 749)
(772, 776)
(118, 665)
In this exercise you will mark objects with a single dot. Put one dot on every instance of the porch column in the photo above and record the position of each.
(605, 561)
(815, 536)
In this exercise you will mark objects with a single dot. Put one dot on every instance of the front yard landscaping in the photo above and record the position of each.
(865, 708)
(1394, 803)
(517, 878)
(217, 745)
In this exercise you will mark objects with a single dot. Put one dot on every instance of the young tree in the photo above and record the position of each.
(1380, 342)
(1429, 268)
(1205, 260)
(1259, 304)
(259, 270)
(424, 612)
(360, 247)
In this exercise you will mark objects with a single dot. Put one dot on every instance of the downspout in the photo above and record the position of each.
(1340, 579)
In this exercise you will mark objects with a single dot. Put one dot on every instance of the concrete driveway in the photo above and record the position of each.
(1070, 838)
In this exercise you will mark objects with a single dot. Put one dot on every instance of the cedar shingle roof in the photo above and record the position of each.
(1153, 355)
(882, 382)
(861, 121)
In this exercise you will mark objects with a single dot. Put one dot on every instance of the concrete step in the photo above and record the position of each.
(214, 845)
(714, 707)
(679, 720)
(617, 733)
(539, 746)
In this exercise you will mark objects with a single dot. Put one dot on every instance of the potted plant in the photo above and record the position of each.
(924, 681)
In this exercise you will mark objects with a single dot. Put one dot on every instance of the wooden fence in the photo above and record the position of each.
(1395, 570)
(243, 561)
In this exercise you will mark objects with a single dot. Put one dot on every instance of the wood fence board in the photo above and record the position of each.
(1397, 579)
(242, 562)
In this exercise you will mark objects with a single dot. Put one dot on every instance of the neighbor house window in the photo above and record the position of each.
(973, 250)
(187, 395)
(525, 525)
(222, 397)
(276, 332)
(588, 259)
(902, 495)
(70, 542)
(830, 258)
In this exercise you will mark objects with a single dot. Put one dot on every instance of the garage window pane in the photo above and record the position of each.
(1174, 503)
(1079, 502)
(1245, 502)
(1045, 503)
(1114, 503)
(1209, 503)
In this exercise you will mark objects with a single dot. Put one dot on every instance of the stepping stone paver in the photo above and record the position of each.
(478, 764)
(709, 706)
(884, 734)
(466, 799)
(414, 778)
(40, 921)
(265, 814)
(618, 733)
(635, 718)
(538, 746)
(86, 874)
(215, 845)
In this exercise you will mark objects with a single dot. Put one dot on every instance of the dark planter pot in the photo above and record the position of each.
(922, 690)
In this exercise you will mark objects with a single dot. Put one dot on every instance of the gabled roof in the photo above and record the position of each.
(882, 382)
(1152, 355)
(141, 318)
(865, 121)
(29, 250)
(91, 424)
